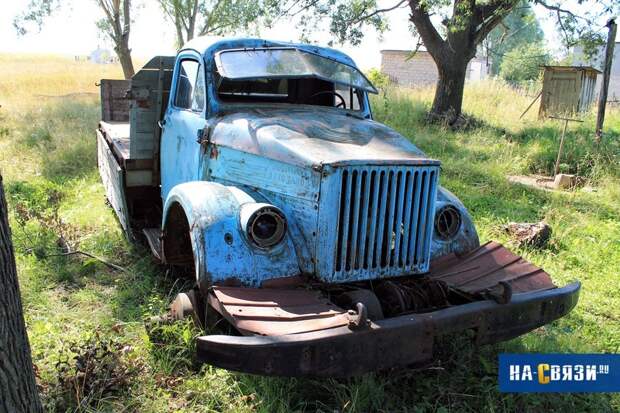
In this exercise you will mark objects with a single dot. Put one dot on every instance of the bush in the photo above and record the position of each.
(523, 62)
(89, 372)
(377, 78)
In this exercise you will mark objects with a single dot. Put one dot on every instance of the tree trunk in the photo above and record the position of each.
(18, 390)
(466, 29)
(124, 57)
(448, 99)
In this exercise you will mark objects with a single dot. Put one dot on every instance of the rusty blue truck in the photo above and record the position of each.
(320, 241)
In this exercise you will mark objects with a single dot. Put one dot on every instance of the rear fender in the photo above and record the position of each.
(221, 252)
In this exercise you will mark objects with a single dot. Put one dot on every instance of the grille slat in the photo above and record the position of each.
(355, 219)
(384, 220)
(407, 218)
(420, 231)
(398, 218)
(415, 195)
(343, 222)
(370, 255)
(383, 185)
(388, 238)
(429, 217)
(413, 233)
(361, 259)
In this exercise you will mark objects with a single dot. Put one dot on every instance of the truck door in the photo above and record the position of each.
(185, 118)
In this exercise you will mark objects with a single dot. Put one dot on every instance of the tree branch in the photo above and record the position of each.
(192, 19)
(78, 252)
(422, 21)
(126, 17)
(109, 12)
(379, 11)
(206, 27)
(310, 4)
(490, 16)
(559, 10)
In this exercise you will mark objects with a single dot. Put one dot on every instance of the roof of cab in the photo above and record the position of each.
(208, 47)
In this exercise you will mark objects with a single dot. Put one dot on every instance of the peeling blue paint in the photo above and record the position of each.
(300, 158)
(212, 211)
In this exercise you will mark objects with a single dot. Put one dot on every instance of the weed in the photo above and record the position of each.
(90, 371)
(47, 146)
(172, 345)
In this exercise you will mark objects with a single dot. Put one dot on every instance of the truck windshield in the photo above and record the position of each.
(285, 63)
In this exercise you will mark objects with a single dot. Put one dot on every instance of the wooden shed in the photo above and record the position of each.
(567, 90)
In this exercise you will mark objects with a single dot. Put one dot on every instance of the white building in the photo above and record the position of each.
(101, 56)
(598, 61)
(420, 69)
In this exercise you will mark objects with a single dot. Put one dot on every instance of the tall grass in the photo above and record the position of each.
(530, 144)
(47, 155)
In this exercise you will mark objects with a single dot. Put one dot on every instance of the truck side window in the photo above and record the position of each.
(198, 102)
(190, 91)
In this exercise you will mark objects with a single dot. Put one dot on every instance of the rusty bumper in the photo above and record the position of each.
(398, 341)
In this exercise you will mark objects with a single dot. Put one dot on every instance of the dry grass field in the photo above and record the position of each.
(81, 313)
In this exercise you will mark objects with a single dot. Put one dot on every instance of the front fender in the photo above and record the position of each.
(222, 253)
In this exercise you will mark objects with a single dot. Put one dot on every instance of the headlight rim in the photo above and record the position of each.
(278, 235)
(454, 226)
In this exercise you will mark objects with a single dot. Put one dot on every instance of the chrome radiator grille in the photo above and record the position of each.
(384, 221)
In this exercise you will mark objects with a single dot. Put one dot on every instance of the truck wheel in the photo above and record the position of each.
(176, 241)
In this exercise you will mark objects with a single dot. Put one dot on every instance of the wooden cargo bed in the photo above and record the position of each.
(116, 135)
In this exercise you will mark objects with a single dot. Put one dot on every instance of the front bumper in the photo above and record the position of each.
(397, 341)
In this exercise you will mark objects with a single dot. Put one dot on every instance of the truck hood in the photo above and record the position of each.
(313, 135)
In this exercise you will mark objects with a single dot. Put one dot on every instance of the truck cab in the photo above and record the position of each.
(309, 228)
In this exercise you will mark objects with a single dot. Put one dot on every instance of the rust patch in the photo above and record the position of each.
(486, 267)
(230, 282)
(143, 104)
(214, 152)
(284, 282)
(270, 311)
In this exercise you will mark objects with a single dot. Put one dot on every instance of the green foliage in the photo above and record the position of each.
(216, 17)
(452, 38)
(115, 23)
(34, 15)
(583, 27)
(523, 62)
(64, 303)
(172, 345)
(348, 18)
(345, 19)
(377, 78)
(520, 27)
(37, 11)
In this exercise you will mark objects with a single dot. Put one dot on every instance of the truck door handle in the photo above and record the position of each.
(161, 123)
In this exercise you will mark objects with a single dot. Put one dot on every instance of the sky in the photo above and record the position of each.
(73, 32)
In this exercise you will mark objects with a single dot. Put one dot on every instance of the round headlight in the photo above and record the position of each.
(447, 222)
(266, 226)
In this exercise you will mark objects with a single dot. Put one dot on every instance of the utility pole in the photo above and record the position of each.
(602, 100)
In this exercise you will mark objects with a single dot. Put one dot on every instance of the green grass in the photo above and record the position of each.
(47, 155)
